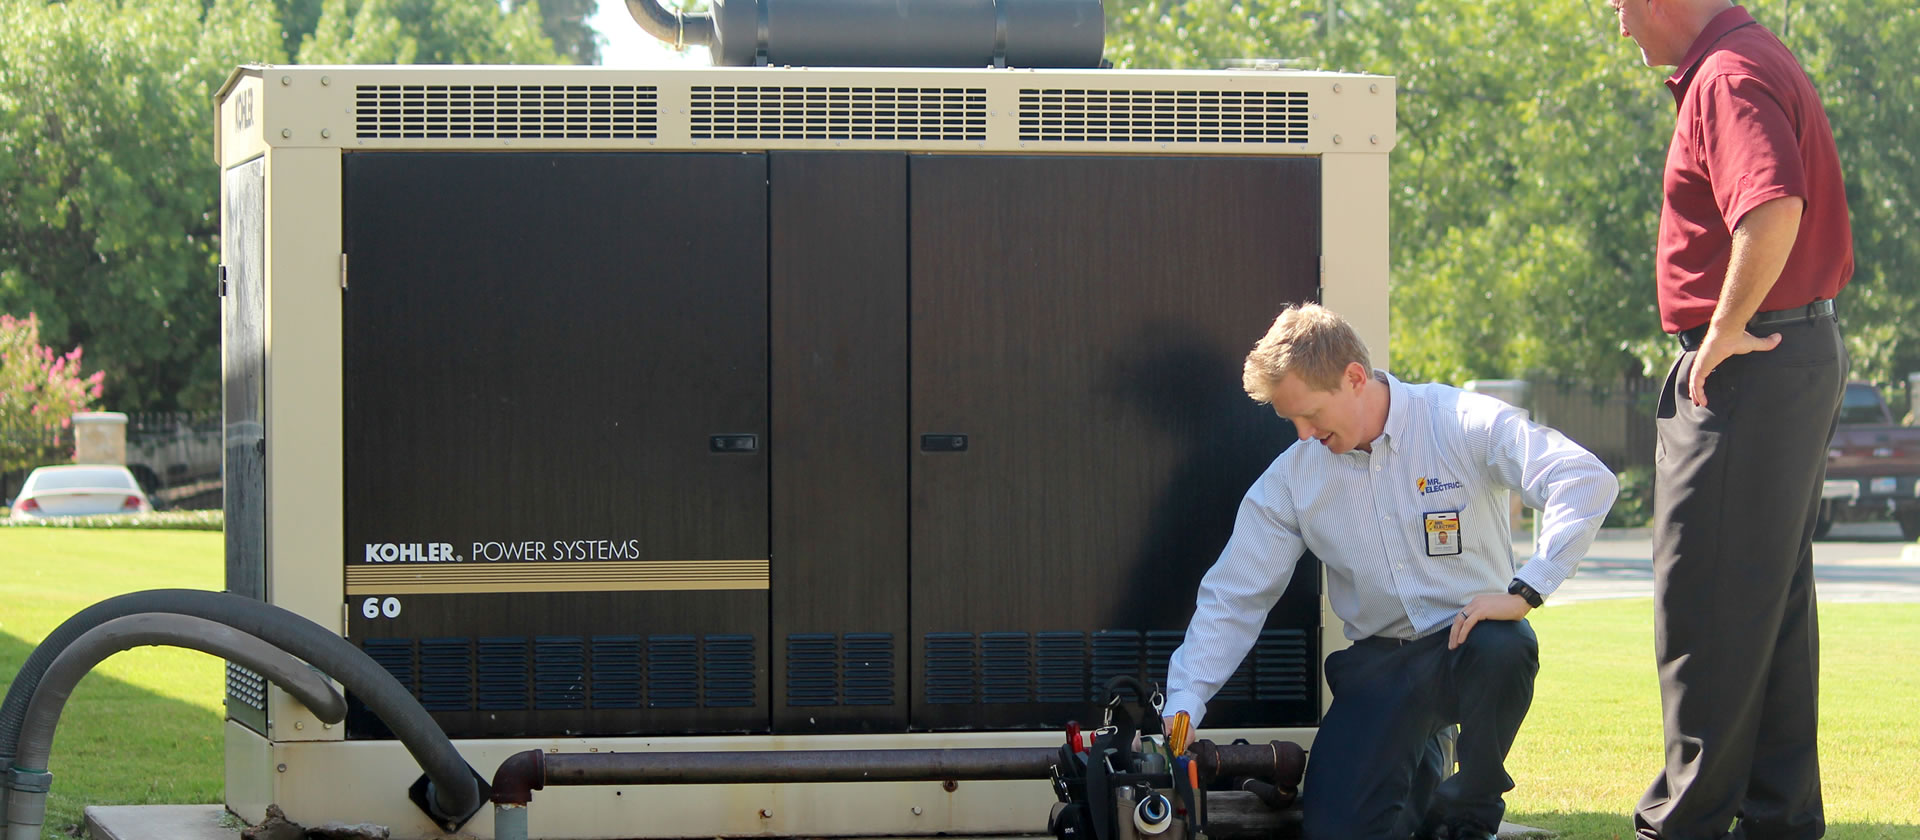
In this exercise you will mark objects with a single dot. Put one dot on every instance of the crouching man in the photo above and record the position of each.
(1403, 496)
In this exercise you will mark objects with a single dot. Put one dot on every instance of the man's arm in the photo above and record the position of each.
(1570, 487)
(1235, 596)
(1761, 244)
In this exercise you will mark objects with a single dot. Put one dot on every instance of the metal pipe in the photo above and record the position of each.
(453, 792)
(532, 770)
(29, 780)
(672, 25)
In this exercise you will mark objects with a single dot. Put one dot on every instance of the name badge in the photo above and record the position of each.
(1443, 533)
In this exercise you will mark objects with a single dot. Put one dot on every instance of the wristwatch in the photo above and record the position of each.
(1519, 587)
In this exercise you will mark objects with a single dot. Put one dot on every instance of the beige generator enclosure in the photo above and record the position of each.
(763, 408)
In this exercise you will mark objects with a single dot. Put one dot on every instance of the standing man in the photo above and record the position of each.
(1403, 495)
(1754, 245)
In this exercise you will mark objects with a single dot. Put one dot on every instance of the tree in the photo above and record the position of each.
(565, 24)
(40, 390)
(427, 32)
(1525, 183)
(107, 222)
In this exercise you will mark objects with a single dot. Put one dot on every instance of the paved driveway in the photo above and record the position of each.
(1859, 561)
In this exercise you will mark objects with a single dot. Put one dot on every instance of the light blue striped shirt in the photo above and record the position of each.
(1364, 515)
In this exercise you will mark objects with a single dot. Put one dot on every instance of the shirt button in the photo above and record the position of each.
(1376, 467)
(1400, 566)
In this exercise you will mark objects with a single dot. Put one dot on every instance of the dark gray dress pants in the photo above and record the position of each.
(1374, 772)
(1736, 491)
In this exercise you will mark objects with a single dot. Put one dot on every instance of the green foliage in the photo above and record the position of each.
(108, 202)
(1633, 508)
(1526, 178)
(565, 23)
(427, 32)
(107, 222)
(40, 390)
(171, 520)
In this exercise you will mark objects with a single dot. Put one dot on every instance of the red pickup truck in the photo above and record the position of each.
(1873, 466)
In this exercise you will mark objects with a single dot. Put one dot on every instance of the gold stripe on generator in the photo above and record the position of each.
(660, 576)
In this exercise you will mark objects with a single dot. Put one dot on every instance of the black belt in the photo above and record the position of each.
(1690, 339)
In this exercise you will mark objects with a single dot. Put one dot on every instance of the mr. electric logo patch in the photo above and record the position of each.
(1430, 486)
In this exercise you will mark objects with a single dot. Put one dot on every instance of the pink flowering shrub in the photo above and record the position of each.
(40, 390)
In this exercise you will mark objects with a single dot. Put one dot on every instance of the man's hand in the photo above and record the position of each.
(1166, 724)
(1496, 607)
(1716, 348)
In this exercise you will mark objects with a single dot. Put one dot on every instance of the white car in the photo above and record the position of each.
(79, 490)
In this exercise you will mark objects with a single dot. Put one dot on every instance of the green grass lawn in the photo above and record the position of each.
(145, 727)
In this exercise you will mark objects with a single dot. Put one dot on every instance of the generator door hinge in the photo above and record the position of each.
(223, 280)
(1320, 288)
(343, 271)
(346, 623)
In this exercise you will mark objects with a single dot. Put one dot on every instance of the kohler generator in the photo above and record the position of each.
(751, 408)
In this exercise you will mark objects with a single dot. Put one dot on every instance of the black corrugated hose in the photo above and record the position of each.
(453, 793)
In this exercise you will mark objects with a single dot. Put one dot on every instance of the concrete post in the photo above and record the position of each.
(100, 437)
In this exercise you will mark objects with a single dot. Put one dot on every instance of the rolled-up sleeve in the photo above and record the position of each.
(1236, 595)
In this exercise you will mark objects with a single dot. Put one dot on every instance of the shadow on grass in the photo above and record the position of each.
(123, 744)
(1619, 826)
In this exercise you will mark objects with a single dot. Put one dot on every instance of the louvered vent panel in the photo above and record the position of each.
(1115, 653)
(394, 655)
(673, 672)
(754, 112)
(506, 112)
(813, 666)
(1281, 665)
(446, 674)
(1006, 668)
(729, 671)
(559, 672)
(503, 674)
(246, 686)
(869, 669)
(1063, 667)
(1163, 116)
(616, 672)
(950, 675)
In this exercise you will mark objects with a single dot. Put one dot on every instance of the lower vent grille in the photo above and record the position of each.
(754, 112)
(828, 670)
(1163, 116)
(1056, 667)
(570, 673)
(506, 112)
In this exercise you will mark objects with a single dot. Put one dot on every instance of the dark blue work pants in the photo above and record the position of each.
(1372, 772)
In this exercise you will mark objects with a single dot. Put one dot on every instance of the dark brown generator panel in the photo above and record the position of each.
(807, 442)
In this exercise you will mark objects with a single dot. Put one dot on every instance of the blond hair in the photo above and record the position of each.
(1309, 341)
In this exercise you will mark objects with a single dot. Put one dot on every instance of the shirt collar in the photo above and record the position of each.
(1396, 409)
(1723, 23)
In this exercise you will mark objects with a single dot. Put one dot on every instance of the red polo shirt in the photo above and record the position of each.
(1751, 129)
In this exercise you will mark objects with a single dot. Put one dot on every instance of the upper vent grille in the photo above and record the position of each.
(752, 112)
(1164, 116)
(506, 112)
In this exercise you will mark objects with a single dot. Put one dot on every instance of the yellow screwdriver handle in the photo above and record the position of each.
(1177, 739)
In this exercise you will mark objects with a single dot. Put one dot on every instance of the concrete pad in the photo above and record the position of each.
(161, 822)
(1516, 831)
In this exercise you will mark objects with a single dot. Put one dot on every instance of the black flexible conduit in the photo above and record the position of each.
(29, 780)
(454, 792)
